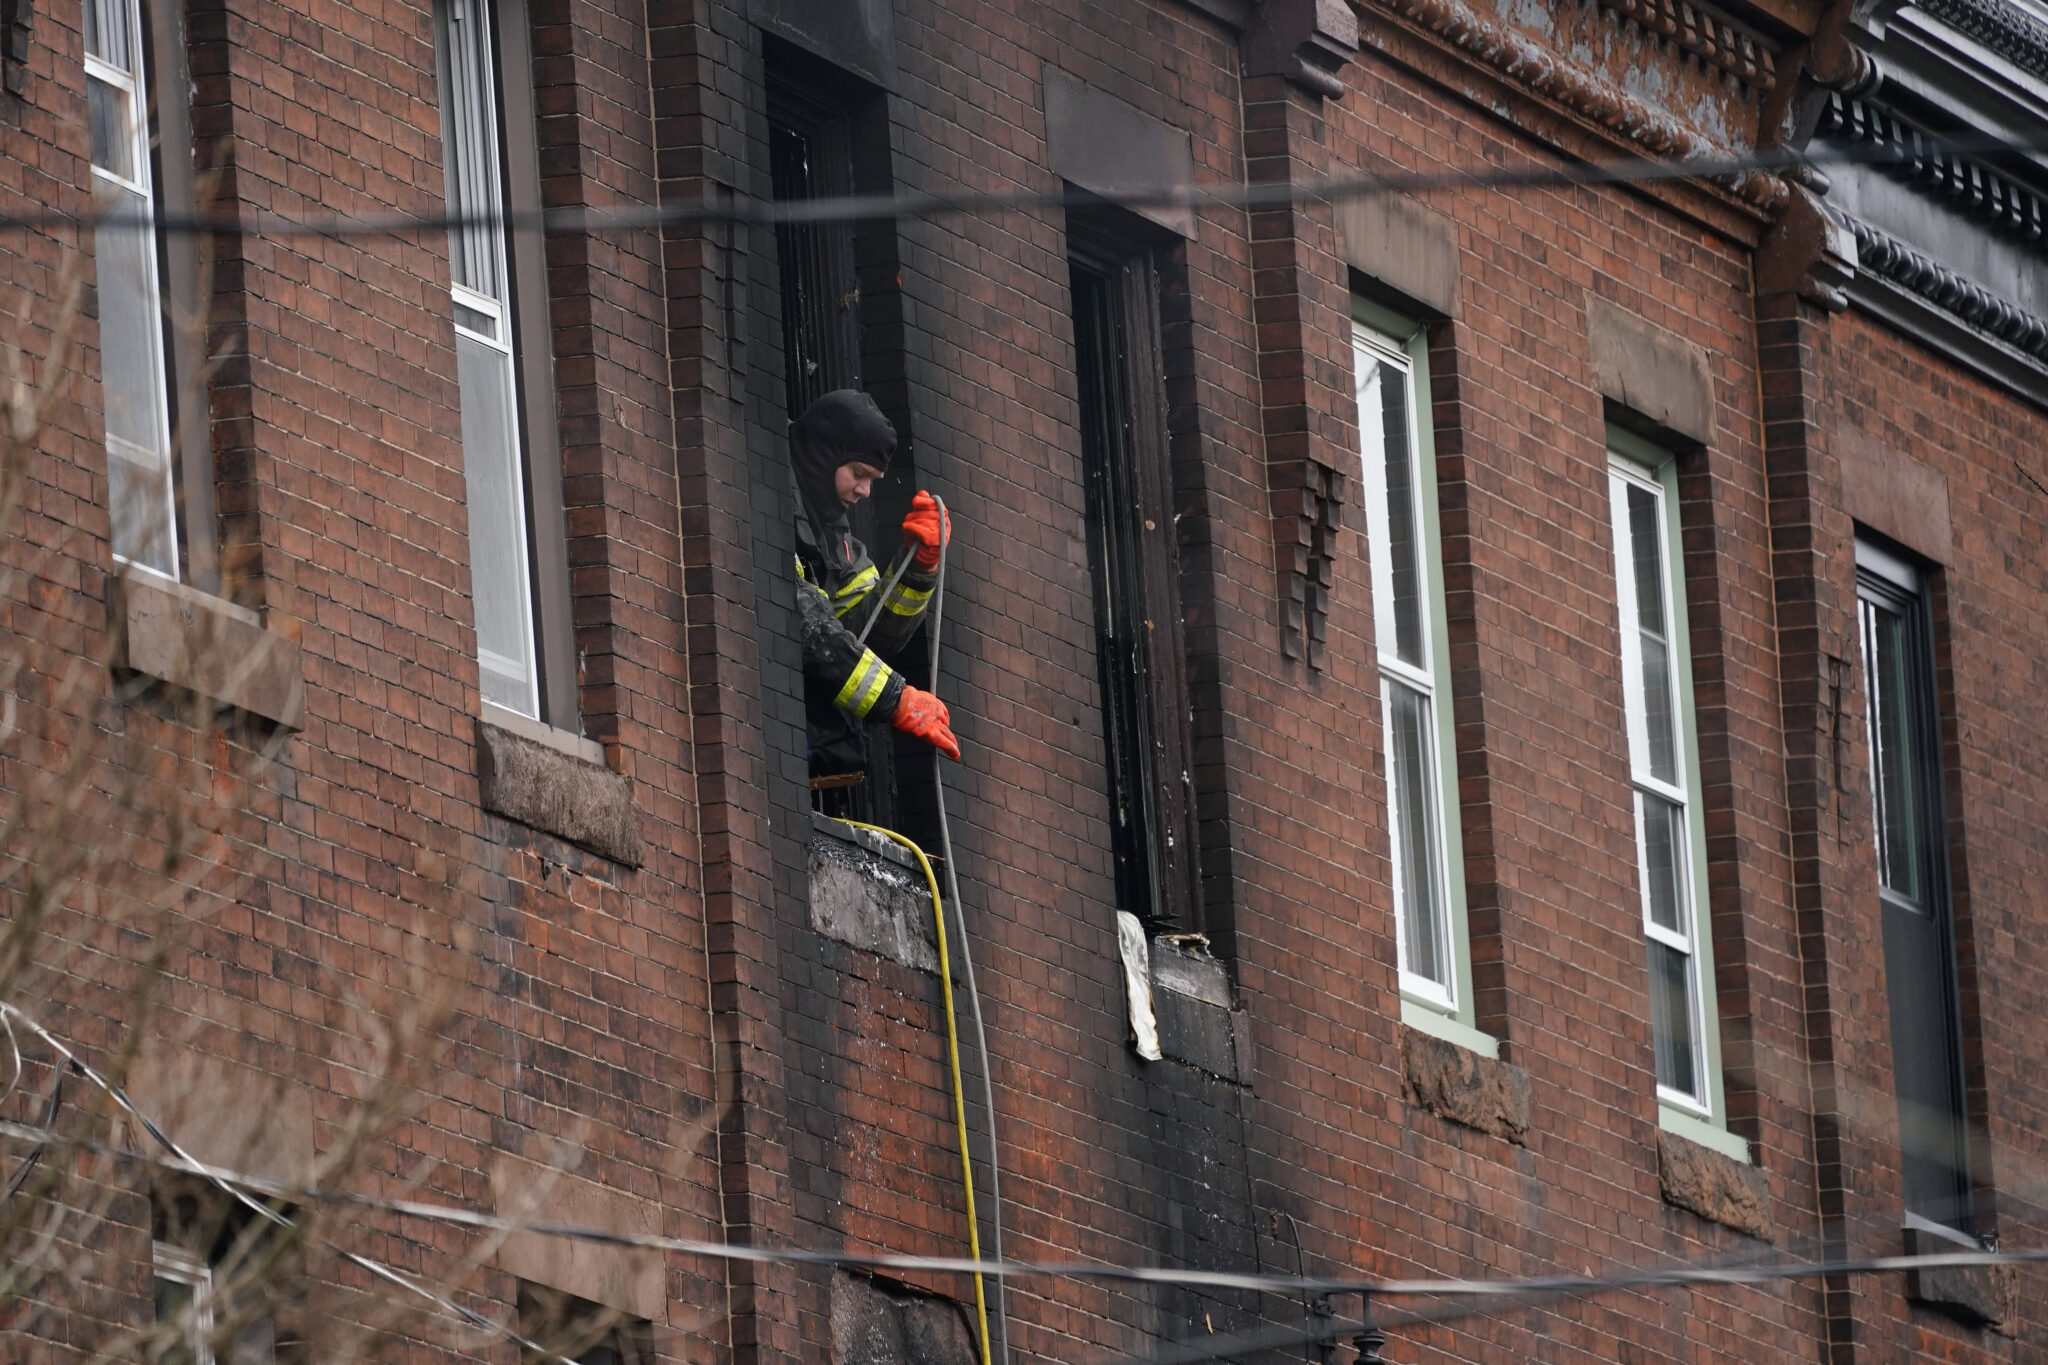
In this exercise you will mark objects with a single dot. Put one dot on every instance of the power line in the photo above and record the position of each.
(1477, 1290)
(238, 1190)
(752, 210)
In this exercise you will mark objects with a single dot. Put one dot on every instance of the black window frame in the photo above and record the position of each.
(1115, 265)
(1922, 971)
(840, 311)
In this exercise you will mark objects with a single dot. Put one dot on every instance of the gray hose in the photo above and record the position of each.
(988, 1094)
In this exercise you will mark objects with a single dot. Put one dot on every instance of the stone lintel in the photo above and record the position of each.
(1651, 372)
(1399, 243)
(1896, 496)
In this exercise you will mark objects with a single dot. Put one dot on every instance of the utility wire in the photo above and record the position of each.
(748, 209)
(1479, 1292)
(238, 1188)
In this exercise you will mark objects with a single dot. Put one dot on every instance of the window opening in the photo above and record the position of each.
(1407, 596)
(579, 1330)
(134, 372)
(201, 1244)
(1133, 574)
(1663, 770)
(828, 137)
(1909, 833)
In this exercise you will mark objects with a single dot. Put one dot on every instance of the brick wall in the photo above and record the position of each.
(679, 1035)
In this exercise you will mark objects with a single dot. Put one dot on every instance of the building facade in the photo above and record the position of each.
(1500, 700)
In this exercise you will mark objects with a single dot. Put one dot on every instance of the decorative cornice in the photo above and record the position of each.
(1529, 63)
(1906, 155)
(2006, 29)
(1706, 34)
(1879, 253)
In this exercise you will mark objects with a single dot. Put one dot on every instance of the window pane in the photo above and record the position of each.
(1404, 549)
(113, 136)
(1646, 559)
(1412, 799)
(133, 389)
(470, 124)
(1894, 783)
(109, 32)
(499, 571)
(1671, 1017)
(173, 1298)
(1664, 886)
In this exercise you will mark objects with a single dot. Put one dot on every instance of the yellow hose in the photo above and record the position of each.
(953, 1058)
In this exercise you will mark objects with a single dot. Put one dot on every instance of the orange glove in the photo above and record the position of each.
(924, 715)
(927, 530)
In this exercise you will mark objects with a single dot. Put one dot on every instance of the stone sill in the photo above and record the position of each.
(1976, 1295)
(208, 646)
(1463, 1086)
(557, 783)
(1714, 1185)
(1192, 1010)
(867, 892)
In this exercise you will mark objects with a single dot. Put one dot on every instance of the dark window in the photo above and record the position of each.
(569, 1328)
(1115, 280)
(512, 463)
(214, 1276)
(1902, 723)
(828, 136)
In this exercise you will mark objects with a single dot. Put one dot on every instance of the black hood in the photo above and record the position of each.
(841, 426)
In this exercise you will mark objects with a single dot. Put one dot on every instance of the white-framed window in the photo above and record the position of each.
(493, 449)
(184, 1297)
(1398, 468)
(134, 376)
(1663, 749)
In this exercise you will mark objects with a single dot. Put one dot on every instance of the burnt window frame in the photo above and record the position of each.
(1893, 579)
(1115, 266)
(845, 124)
(531, 335)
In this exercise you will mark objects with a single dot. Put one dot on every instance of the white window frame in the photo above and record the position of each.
(1635, 463)
(176, 1265)
(524, 671)
(1441, 1007)
(110, 188)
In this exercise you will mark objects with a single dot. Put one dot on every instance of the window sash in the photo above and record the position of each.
(1661, 775)
(1406, 591)
(494, 456)
(134, 370)
(174, 1266)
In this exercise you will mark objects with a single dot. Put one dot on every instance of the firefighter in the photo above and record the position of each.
(838, 448)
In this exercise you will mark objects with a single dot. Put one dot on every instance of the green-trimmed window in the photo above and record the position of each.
(1663, 747)
(1398, 463)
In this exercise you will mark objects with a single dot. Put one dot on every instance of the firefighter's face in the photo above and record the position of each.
(853, 481)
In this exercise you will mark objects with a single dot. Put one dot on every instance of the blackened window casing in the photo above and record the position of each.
(1114, 275)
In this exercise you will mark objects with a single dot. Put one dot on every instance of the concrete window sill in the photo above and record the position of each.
(1976, 1295)
(1713, 1185)
(1464, 1086)
(208, 646)
(557, 783)
(868, 893)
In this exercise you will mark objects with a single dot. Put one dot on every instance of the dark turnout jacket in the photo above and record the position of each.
(846, 685)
